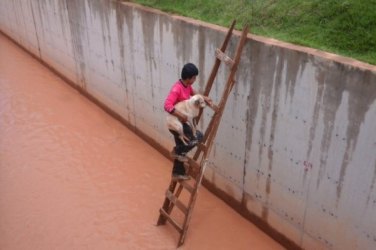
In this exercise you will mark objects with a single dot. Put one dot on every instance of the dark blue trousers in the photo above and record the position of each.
(182, 149)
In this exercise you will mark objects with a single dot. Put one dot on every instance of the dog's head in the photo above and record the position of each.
(198, 101)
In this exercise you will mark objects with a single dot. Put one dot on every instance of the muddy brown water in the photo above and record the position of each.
(72, 177)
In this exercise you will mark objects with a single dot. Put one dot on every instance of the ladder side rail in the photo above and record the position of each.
(175, 200)
(206, 135)
(166, 204)
(191, 204)
(176, 195)
(216, 65)
(229, 86)
(169, 203)
(171, 220)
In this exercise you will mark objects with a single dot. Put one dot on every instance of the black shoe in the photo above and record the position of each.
(180, 177)
(199, 136)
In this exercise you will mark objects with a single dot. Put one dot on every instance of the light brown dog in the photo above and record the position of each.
(191, 109)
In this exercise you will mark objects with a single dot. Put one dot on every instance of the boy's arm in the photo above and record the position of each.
(169, 106)
(207, 99)
(182, 117)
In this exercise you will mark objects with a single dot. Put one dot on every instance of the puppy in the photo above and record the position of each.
(190, 108)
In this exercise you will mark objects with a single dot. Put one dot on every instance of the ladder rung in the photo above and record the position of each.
(202, 147)
(175, 200)
(187, 186)
(172, 221)
(193, 163)
(223, 57)
(214, 107)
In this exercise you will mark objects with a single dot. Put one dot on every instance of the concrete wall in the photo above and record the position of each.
(295, 151)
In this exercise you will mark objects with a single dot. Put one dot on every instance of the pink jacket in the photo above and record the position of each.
(178, 93)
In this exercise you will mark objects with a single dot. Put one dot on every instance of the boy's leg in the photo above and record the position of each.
(178, 169)
(180, 150)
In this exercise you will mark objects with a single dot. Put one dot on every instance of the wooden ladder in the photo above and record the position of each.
(198, 162)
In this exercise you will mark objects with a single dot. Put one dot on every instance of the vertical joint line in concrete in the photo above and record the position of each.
(35, 27)
(305, 211)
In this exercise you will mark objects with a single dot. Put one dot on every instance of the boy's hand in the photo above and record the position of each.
(208, 100)
(183, 118)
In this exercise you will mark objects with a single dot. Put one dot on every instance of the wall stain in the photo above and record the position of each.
(102, 9)
(328, 100)
(164, 27)
(162, 22)
(201, 64)
(372, 184)
(252, 99)
(293, 66)
(40, 11)
(242, 80)
(243, 76)
(362, 93)
(129, 17)
(262, 86)
(334, 86)
(272, 84)
(265, 212)
(148, 24)
(276, 86)
(63, 17)
(16, 17)
(183, 40)
(120, 19)
(201, 44)
(252, 108)
(265, 79)
(320, 79)
(77, 23)
(36, 30)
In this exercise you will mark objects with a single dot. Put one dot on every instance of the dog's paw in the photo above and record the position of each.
(193, 142)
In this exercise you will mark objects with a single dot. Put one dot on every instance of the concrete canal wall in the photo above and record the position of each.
(295, 151)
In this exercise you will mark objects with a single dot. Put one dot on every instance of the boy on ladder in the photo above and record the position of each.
(180, 91)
